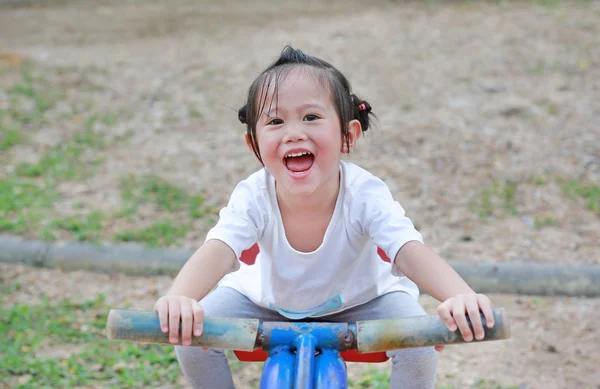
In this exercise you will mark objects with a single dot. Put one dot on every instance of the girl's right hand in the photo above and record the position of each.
(172, 309)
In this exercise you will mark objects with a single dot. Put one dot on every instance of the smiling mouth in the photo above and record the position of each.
(299, 162)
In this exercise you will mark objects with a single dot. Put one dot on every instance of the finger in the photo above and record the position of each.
(174, 315)
(458, 312)
(473, 309)
(186, 322)
(485, 305)
(439, 348)
(444, 313)
(162, 307)
(198, 318)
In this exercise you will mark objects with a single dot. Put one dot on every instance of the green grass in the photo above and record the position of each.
(547, 221)
(35, 89)
(496, 200)
(168, 198)
(21, 203)
(407, 107)
(371, 379)
(548, 106)
(28, 200)
(153, 189)
(29, 99)
(483, 383)
(158, 191)
(587, 192)
(10, 135)
(195, 113)
(552, 4)
(28, 194)
(464, 79)
(7, 289)
(539, 180)
(67, 160)
(31, 330)
(161, 233)
(109, 119)
(83, 227)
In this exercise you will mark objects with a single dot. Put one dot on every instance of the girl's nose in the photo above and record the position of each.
(294, 134)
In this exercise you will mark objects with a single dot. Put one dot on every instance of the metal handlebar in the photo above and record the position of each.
(248, 334)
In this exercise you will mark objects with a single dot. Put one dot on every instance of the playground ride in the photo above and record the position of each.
(304, 355)
(301, 354)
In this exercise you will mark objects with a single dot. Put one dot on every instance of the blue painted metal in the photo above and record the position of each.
(330, 371)
(353, 328)
(327, 335)
(218, 332)
(278, 371)
(305, 339)
(305, 360)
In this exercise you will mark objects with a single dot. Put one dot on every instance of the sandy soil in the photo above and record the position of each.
(467, 94)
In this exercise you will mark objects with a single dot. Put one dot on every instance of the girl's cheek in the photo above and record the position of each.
(270, 146)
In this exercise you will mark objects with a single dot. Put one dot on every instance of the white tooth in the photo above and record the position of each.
(297, 154)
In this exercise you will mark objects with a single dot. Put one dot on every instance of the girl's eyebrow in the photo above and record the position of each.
(309, 105)
(299, 108)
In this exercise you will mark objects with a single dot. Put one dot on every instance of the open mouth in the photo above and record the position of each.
(299, 162)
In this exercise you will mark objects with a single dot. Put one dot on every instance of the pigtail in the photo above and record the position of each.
(362, 110)
(242, 114)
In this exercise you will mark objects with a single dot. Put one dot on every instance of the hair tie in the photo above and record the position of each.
(362, 107)
(242, 115)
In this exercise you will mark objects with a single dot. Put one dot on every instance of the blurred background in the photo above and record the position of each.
(118, 123)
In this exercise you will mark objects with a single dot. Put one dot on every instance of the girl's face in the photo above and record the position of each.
(299, 135)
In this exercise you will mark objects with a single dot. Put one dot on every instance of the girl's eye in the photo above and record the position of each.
(310, 117)
(275, 122)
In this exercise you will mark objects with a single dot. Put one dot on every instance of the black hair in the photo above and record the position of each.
(347, 105)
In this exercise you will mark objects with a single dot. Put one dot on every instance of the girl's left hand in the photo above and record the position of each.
(454, 313)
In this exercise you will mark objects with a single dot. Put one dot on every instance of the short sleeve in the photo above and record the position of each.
(377, 215)
(241, 223)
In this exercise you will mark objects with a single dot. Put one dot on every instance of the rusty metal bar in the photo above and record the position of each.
(220, 333)
(420, 331)
(247, 334)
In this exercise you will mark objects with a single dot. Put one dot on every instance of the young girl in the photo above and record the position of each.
(319, 223)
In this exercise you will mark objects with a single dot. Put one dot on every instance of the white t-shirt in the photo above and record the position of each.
(343, 272)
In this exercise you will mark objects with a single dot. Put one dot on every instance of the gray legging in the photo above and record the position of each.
(208, 369)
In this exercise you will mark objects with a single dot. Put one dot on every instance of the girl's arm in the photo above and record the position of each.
(437, 278)
(205, 268)
(431, 273)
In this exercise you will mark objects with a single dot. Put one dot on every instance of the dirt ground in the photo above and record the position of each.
(485, 109)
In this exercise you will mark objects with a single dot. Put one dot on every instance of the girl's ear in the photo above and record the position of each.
(354, 132)
(248, 143)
